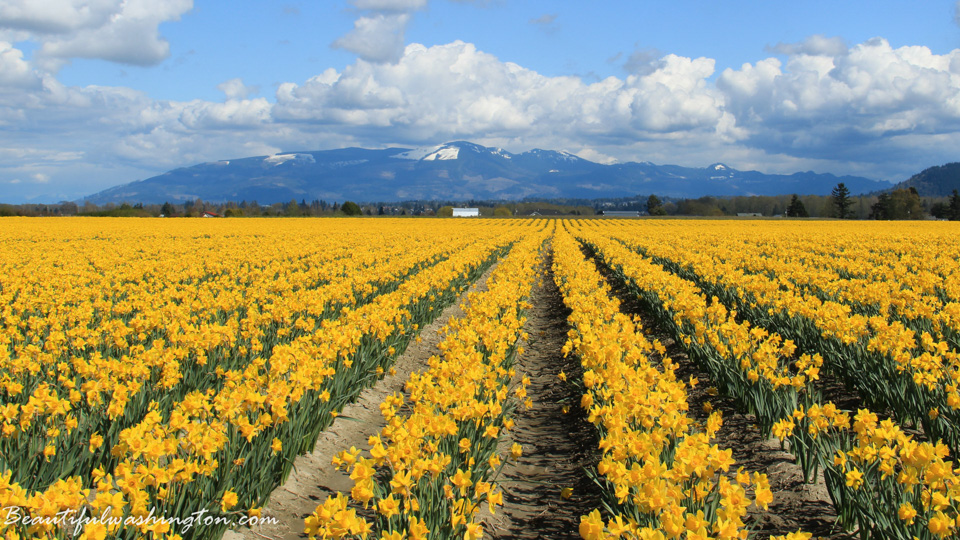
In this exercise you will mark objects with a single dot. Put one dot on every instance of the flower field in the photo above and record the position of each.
(160, 378)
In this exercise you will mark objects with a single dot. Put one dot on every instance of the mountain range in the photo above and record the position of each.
(456, 171)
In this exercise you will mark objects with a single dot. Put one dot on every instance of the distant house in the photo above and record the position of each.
(620, 213)
(466, 212)
(210, 214)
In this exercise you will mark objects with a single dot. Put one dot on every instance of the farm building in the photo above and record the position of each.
(466, 212)
(620, 213)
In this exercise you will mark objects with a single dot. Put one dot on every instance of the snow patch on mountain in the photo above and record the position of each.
(447, 152)
(417, 153)
(430, 153)
(279, 159)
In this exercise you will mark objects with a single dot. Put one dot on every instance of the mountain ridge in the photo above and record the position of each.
(457, 170)
(937, 181)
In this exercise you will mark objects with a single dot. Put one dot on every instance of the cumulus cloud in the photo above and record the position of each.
(816, 45)
(14, 70)
(124, 31)
(455, 90)
(378, 34)
(56, 16)
(839, 101)
(864, 109)
(376, 38)
(234, 114)
(235, 89)
(642, 61)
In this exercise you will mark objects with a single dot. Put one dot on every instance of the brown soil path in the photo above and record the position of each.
(557, 446)
(314, 478)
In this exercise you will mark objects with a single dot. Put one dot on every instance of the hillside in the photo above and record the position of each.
(937, 181)
(455, 171)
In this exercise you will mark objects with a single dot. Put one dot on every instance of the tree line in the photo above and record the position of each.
(893, 205)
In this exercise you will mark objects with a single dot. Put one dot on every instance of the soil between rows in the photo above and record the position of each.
(314, 478)
(559, 445)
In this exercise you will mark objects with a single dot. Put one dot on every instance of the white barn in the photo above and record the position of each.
(466, 212)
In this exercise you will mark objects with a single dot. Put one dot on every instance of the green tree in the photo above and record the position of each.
(445, 211)
(167, 209)
(655, 206)
(941, 210)
(502, 211)
(351, 208)
(841, 200)
(955, 206)
(796, 208)
(898, 204)
(293, 209)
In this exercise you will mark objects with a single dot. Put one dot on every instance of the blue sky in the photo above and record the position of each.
(95, 93)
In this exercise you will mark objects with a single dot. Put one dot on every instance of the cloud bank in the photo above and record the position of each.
(821, 104)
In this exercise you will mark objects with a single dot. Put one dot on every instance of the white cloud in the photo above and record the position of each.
(376, 38)
(234, 114)
(389, 5)
(14, 70)
(124, 31)
(56, 16)
(816, 45)
(235, 89)
(597, 157)
(844, 101)
(866, 109)
(39, 178)
(455, 90)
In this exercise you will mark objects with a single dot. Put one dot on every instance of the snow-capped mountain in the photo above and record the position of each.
(455, 171)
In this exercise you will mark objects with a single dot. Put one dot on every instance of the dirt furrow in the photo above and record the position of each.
(314, 478)
(558, 443)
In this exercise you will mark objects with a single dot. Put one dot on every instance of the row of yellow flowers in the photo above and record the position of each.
(433, 464)
(57, 398)
(663, 477)
(225, 448)
(909, 371)
(753, 365)
(883, 482)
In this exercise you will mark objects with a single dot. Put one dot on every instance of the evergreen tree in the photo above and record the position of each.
(841, 200)
(167, 209)
(351, 208)
(655, 206)
(955, 206)
(796, 208)
(293, 209)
